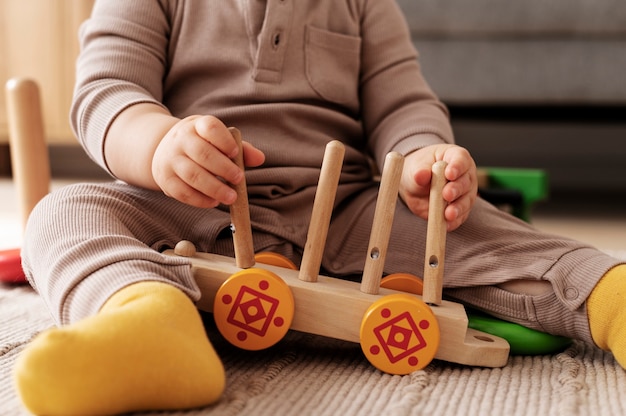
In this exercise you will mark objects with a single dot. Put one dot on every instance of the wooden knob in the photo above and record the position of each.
(185, 248)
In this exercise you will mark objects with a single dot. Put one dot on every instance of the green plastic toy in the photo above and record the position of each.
(522, 187)
(523, 341)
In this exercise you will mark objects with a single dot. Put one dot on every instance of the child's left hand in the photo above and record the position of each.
(460, 192)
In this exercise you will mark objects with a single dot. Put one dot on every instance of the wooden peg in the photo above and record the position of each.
(240, 214)
(29, 151)
(383, 219)
(435, 237)
(322, 210)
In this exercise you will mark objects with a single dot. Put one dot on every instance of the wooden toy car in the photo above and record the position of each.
(254, 304)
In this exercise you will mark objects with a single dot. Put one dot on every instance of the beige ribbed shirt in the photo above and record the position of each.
(291, 75)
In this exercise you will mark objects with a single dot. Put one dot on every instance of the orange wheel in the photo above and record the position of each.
(399, 334)
(403, 282)
(274, 259)
(253, 309)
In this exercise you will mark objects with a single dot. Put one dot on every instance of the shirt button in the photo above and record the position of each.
(570, 293)
(276, 39)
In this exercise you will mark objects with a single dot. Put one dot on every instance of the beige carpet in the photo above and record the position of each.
(309, 375)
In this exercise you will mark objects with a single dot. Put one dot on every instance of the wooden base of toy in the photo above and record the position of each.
(335, 308)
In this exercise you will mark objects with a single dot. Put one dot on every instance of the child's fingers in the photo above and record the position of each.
(212, 160)
(252, 156)
(194, 185)
(178, 189)
(457, 212)
(212, 130)
(457, 188)
(459, 162)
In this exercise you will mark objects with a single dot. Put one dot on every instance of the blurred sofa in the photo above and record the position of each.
(537, 83)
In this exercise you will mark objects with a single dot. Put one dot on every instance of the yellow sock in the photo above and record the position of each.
(606, 310)
(145, 350)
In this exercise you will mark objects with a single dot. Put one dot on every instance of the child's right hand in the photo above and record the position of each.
(194, 158)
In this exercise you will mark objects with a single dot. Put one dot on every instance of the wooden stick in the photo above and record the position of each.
(29, 151)
(322, 210)
(240, 214)
(383, 219)
(435, 237)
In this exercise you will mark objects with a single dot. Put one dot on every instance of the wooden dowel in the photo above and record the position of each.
(435, 237)
(322, 210)
(240, 214)
(383, 219)
(29, 151)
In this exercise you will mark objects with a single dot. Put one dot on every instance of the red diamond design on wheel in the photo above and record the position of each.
(253, 311)
(399, 337)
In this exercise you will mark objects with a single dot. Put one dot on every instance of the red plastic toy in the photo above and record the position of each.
(11, 266)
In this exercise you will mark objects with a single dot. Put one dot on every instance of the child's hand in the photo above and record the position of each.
(460, 192)
(194, 159)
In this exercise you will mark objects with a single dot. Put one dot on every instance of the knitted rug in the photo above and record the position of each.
(309, 375)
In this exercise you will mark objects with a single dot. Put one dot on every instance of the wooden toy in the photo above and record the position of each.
(398, 332)
(29, 161)
(29, 153)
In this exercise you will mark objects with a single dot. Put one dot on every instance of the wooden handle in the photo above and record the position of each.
(29, 151)
(322, 210)
(435, 237)
(240, 214)
(383, 219)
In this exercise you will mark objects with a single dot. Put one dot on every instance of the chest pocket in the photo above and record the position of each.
(332, 65)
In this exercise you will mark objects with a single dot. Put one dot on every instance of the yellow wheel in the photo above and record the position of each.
(403, 282)
(399, 334)
(253, 309)
(274, 259)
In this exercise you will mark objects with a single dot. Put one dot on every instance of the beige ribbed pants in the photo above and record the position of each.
(85, 242)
